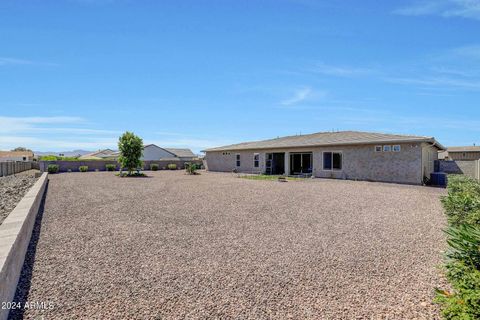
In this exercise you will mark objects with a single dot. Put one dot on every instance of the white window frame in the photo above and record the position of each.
(387, 146)
(381, 148)
(332, 152)
(238, 161)
(256, 160)
(399, 148)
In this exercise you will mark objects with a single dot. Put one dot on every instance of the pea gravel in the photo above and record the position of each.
(175, 246)
(12, 190)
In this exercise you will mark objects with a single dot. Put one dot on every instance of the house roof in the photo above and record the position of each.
(8, 154)
(328, 139)
(98, 154)
(181, 153)
(464, 149)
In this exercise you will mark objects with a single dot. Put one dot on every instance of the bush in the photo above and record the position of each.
(49, 158)
(462, 267)
(131, 150)
(83, 168)
(154, 167)
(172, 166)
(52, 168)
(190, 168)
(110, 167)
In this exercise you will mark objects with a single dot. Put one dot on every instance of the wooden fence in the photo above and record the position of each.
(12, 167)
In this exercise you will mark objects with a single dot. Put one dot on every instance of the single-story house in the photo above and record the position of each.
(16, 156)
(153, 152)
(104, 154)
(461, 153)
(343, 155)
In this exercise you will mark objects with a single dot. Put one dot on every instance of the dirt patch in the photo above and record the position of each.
(12, 190)
(177, 246)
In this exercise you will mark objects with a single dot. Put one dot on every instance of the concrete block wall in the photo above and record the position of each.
(469, 168)
(12, 167)
(15, 233)
(93, 165)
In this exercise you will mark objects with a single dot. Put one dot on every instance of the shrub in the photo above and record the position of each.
(49, 158)
(190, 168)
(462, 267)
(52, 168)
(131, 149)
(154, 167)
(110, 167)
(83, 168)
(172, 166)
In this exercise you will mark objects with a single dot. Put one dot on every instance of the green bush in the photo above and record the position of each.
(83, 168)
(190, 168)
(110, 167)
(52, 168)
(154, 167)
(172, 166)
(462, 266)
(49, 158)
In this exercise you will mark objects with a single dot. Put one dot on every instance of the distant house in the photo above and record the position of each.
(16, 156)
(153, 152)
(342, 155)
(461, 153)
(105, 154)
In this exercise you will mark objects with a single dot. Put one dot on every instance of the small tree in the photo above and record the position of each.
(21, 149)
(131, 150)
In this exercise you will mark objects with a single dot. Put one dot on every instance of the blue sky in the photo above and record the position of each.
(75, 74)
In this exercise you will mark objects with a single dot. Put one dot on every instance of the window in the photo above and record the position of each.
(378, 148)
(387, 148)
(397, 148)
(256, 160)
(24, 158)
(238, 160)
(332, 160)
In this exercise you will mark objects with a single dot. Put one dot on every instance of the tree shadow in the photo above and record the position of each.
(24, 283)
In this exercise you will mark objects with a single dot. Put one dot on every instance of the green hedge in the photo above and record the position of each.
(462, 265)
(52, 168)
(83, 168)
(110, 167)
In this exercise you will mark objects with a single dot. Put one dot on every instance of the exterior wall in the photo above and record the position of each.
(359, 162)
(152, 152)
(429, 156)
(93, 165)
(13, 167)
(469, 168)
(16, 158)
(464, 155)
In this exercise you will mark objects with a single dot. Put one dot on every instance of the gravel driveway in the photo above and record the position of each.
(214, 246)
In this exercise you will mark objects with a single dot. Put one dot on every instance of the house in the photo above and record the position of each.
(461, 153)
(342, 155)
(153, 152)
(105, 154)
(16, 156)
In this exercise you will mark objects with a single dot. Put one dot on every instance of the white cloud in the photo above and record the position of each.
(444, 82)
(302, 95)
(445, 8)
(340, 71)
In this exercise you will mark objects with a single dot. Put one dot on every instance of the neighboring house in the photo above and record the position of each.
(153, 152)
(16, 156)
(182, 154)
(105, 154)
(462, 153)
(343, 155)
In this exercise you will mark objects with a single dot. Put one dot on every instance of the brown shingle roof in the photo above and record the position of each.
(328, 139)
(464, 149)
(181, 153)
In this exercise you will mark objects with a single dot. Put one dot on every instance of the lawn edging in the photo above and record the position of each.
(15, 233)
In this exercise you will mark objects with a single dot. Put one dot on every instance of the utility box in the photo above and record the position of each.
(439, 179)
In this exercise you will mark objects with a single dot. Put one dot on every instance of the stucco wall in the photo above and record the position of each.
(152, 152)
(359, 162)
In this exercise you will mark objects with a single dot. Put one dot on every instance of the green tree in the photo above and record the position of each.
(131, 150)
(21, 149)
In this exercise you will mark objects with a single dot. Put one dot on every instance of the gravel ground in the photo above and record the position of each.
(12, 190)
(214, 246)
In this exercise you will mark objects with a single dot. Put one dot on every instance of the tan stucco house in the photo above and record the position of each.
(16, 156)
(342, 155)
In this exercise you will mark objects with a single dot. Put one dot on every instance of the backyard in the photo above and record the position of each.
(215, 246)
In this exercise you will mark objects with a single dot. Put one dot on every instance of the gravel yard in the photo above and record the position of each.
(12, 190)
(214, 246)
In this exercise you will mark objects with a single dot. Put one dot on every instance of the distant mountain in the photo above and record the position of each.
(72, 153)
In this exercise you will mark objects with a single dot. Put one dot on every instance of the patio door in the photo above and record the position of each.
(301, 163)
